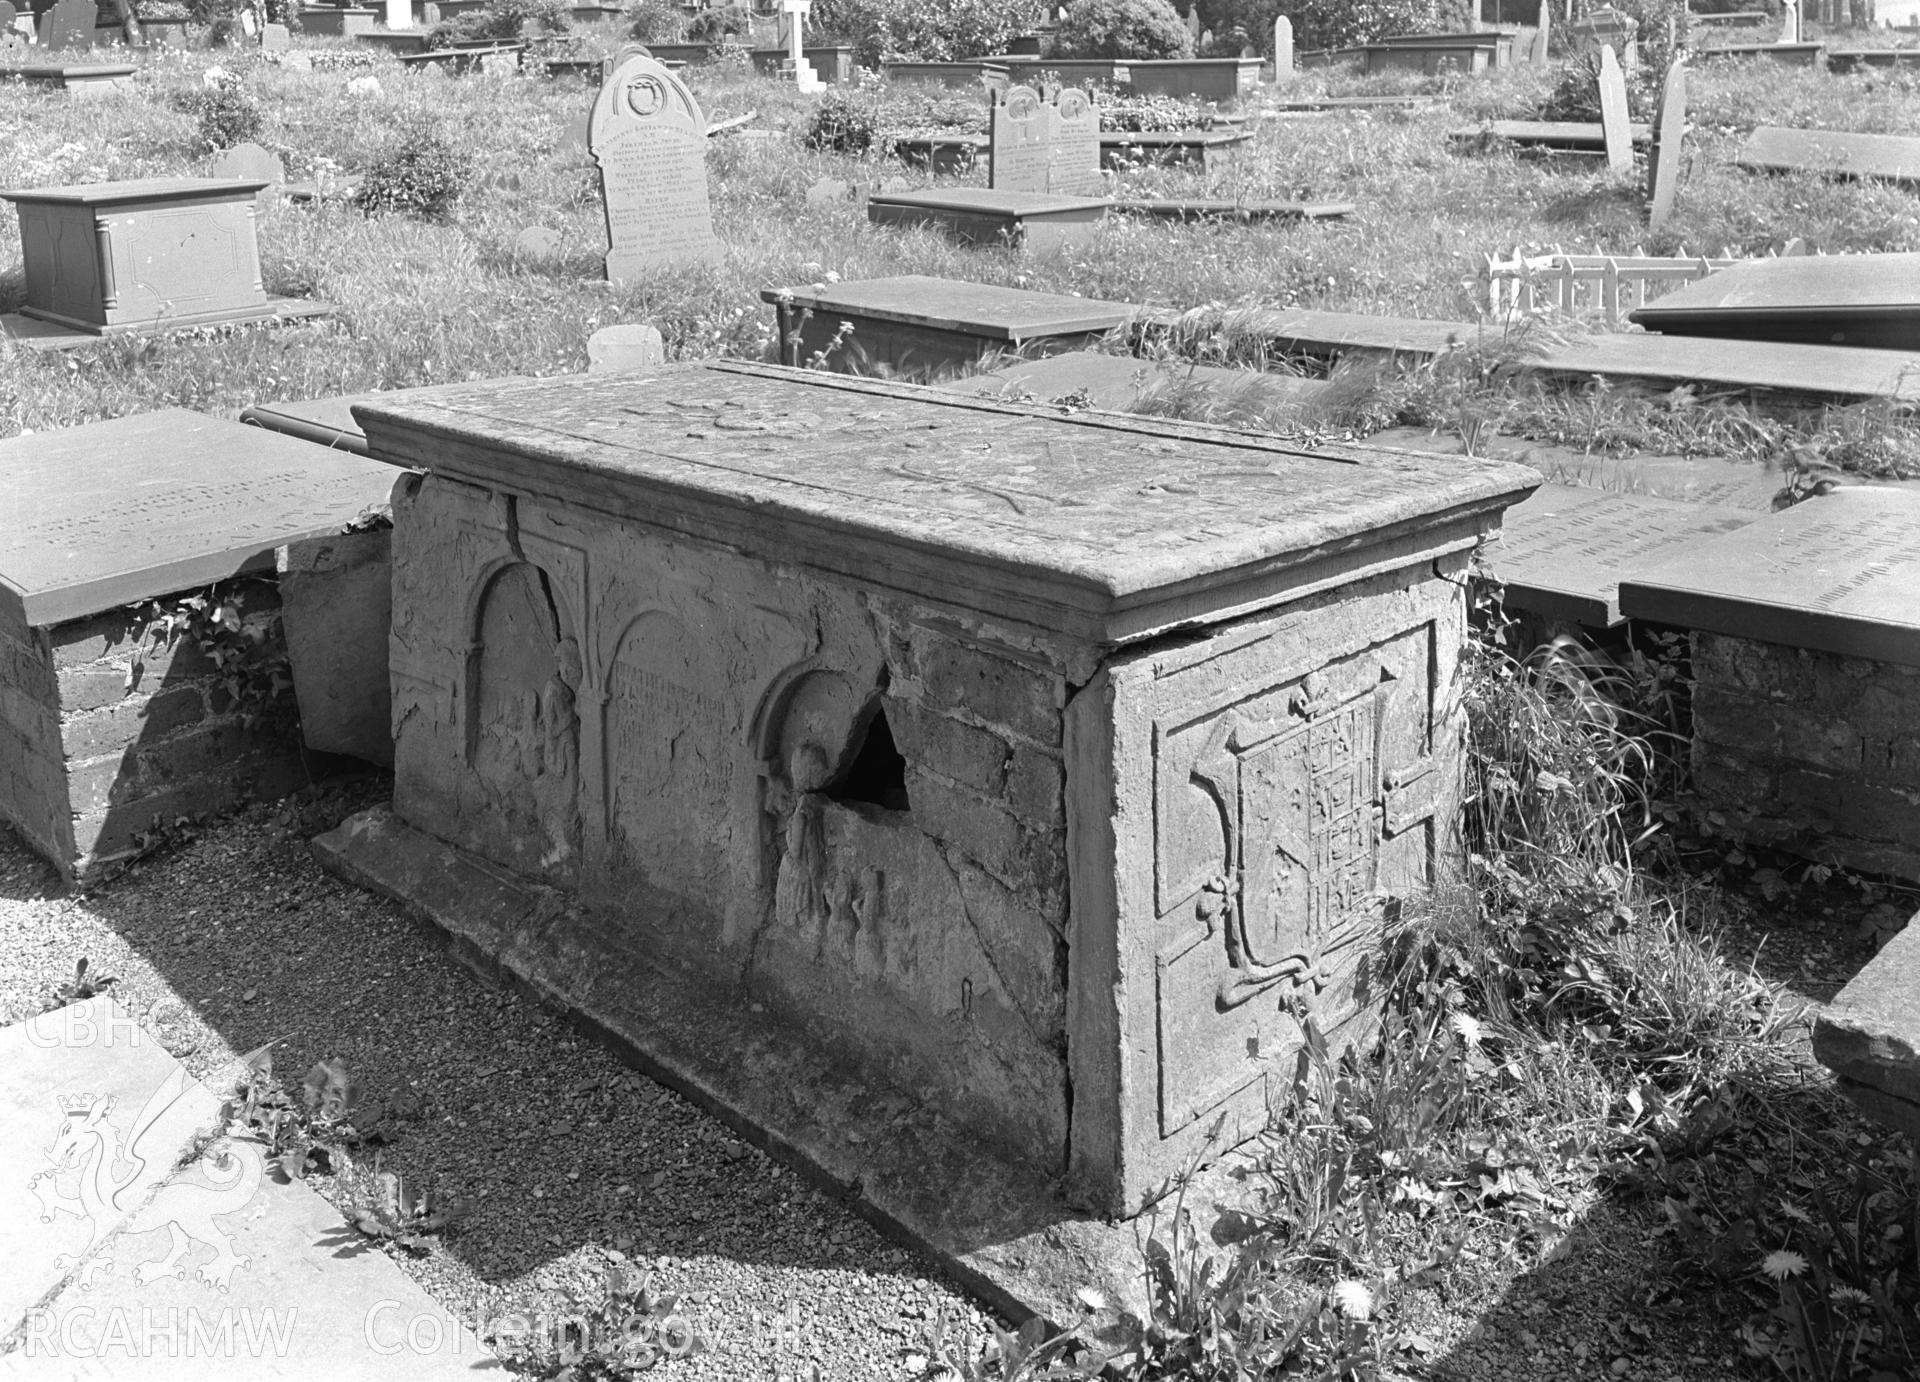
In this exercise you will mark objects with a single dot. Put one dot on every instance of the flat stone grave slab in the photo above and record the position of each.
(1228, 209)
(1792, 54)
(1710, 480)
(1562, 551)
(1869, 1035)
(1838, 574)
(1870, 300)
(349, 21)
(1833, 153)
(1785, 369)
(149, 1271)
(76, 1086)
(1038, 221)
(951, 153)
(1213, 150)
(925, 325)
(490, 57)
(1567, 136)
(1116, 382)
(147, 505)
(1313, 104)
(83, 79)
(1853, 59)
(736, 656)
(154, 254)
(965, 76)
(325, 421)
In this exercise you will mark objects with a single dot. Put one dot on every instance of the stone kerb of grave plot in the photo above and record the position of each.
(649, 140)
(145, 254)
(1806, 665)
(1049, 784)
(103, 730)
(1869, 1036)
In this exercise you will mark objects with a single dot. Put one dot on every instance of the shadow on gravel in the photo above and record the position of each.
(550, 1137)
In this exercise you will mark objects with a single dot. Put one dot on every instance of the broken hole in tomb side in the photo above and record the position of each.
(877, 776)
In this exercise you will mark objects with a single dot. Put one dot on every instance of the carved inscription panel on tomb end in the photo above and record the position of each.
(1287, 821)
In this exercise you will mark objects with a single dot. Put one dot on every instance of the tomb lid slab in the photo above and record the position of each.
(1103, 528)
(1837, 574)
(1561, 551)
(982, 309)
(1833, 153)
(147, 505)
(992, 201)
(131, 190)
(1861, 299)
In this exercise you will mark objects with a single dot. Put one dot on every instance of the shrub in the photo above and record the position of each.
(227, 114)
(654, 21)
(1138, 29)
(713, 26)
(420, 172)
(161, 9)
(1340, 23)
(841, 123)
(503, 21)
(930, 31)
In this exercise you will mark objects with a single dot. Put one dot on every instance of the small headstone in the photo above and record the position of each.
(399, 15)
(536, 243)
(248, 24)
(1790, 21)
(1615, 123)
(1192, 21)
(649, 140)
(216, 76)
(7, 15)
(364, 88)
(1669, 129)
(827, 191)
(1282, 49)
(251, 161)
(69, 24)
(1073, 150)
(1539, 55)
(275, 38)
(631, 345)
(1018, 127)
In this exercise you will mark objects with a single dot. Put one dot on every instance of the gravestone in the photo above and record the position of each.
(1282, 49)
(123, 512)
(1018, 128)
(829, 192)
(888, 695)
(112, 257)
(252, 163)
(1789, 22)
(1073, 146)
(649, 140)
(69, 24)
(1833, 153)
(275, 38)
(1540, 54)
(538, 243)
(1868, 300)
(628, 345)
(399, 15)
(1615, 121)
(1562, 551)
(1040, 222)
(793, 25)
(248, 24)
(1669, 131)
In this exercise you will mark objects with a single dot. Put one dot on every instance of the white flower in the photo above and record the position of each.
(1467, 1027)
(1782, 1263)
(1354, 1300)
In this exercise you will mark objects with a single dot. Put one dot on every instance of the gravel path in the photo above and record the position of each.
(237, 937)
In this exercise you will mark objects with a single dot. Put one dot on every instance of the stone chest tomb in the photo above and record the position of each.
(1049, 772)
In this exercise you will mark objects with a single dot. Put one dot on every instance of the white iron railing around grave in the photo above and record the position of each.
(1603, 285)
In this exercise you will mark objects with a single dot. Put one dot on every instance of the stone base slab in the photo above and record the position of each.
(1869, 1035)
(1007, 1235)
(37, 333)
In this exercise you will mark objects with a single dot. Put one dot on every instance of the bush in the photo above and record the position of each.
(1137, 29)
(421, 172)
(226, 112)
(503, 21)
(161, 9)
(929, 31)
(655, 21)
(1342, 23)
(714, 26)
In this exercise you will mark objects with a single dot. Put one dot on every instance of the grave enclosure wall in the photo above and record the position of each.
(1810, 749)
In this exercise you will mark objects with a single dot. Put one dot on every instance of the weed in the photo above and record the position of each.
(232, 629)
(381, 1205)
(422, 172)
(225, 114)
(77, 989)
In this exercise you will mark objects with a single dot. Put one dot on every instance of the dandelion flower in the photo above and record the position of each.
(1354, 1299)
(1467, 1026)
(1782, 1263)
(1849, 1295)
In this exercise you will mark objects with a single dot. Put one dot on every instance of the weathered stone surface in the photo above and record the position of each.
(1870, 1034)
(1019, 128)
(1870, 300)
(795, 682)
(336, 604)
(628, 345)
(1073, 151)
(1562, 551)
(921, 324)
(1614, 125)
(1840, 574)
(160, 502)
(649, 140)
(1118, 382)
(1669, 130)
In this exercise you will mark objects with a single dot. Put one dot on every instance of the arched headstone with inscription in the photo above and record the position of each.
(1073, 154)
(1017, 135)
(649, 140)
